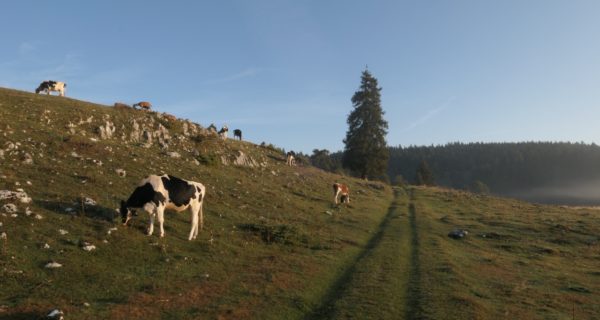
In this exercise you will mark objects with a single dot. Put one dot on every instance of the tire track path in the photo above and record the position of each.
(383, 281)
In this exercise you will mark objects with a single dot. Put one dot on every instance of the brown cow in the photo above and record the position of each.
(341, 189)
(145, 105)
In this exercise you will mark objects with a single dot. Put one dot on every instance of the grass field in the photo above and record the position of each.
(274, 246)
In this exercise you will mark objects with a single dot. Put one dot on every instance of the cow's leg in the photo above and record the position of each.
(196, 210)
(151, 227)
(348, 198)
(201, 214)
(160, 212)
(335, 197)
(194, 231)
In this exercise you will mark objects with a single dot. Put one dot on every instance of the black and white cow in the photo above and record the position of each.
(223, 132)
(155, 193)
(290, 158)
(50, 85)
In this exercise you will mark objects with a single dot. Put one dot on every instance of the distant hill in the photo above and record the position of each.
(270, 229)
(547, 172)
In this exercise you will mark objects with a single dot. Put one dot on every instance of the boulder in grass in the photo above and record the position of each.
(86, 246)
(89, 201)
(9, 208)
(15, 195)
(121, 173)
(52, 265)
(55, 314)
(458, 234)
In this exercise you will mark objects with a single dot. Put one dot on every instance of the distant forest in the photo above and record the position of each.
(547, 172)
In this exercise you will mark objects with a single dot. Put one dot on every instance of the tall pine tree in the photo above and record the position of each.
(366, 153)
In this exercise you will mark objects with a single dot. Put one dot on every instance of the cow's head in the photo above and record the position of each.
(41, 88)
(126, 213)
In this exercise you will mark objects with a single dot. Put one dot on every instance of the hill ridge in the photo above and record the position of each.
(267, 225)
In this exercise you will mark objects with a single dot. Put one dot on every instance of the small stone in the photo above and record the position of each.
(174, 154)
(38, 217)
(55, 315)
(46, 246)
(53, 265)
(458, 234)
(3, 236)
(62, 231)
(89, 247)
(89, 201)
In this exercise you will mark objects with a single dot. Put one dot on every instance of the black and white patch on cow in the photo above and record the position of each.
(290, 158)
(223, 132)
(48, 86)
(155, 193)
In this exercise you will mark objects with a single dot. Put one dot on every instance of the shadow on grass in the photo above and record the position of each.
(22, 316)
(327, 308)
(414, 307)
(78, 209)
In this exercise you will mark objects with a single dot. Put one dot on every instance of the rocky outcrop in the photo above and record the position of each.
(239, 159)
(107, 130)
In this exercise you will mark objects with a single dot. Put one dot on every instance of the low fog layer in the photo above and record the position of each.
(581, 193)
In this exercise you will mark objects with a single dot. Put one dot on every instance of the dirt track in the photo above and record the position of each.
(383, 281)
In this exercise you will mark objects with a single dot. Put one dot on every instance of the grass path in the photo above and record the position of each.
(380, 284)
(413, 300)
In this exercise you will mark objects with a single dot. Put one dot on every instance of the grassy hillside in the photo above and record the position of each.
(273, 246)
(519, 261)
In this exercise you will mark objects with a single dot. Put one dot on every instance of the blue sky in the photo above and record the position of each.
(284, 71)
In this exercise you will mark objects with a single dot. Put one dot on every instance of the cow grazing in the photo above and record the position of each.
(155, 193)
(49, 86)
(120, 105)
(237, 133)
(223, 132)
(290, 158)
(341, 189)
(144, 105)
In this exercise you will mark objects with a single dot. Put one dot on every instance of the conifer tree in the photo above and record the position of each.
(366, 153)
(424, 175)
